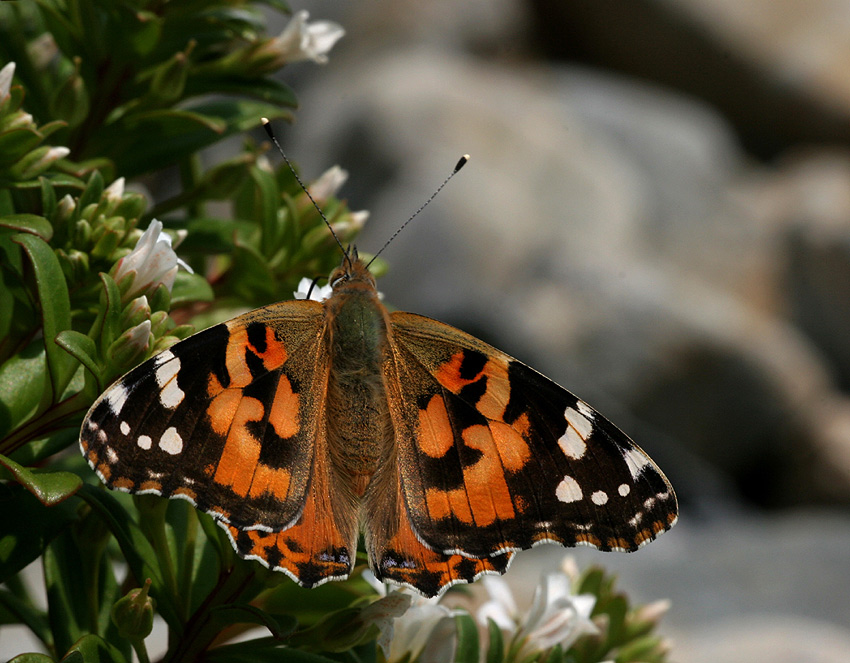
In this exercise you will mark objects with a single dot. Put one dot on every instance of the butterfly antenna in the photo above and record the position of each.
(268, 127)
(460, 164)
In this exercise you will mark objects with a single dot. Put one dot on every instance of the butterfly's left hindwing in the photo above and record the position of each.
(493, 456)
(226, 419)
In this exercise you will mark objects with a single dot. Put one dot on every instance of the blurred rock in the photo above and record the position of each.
(815, 193)
(606, 232)
(777, 71)
(764, 639)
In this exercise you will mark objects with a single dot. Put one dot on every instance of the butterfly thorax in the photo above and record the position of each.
(359, 425)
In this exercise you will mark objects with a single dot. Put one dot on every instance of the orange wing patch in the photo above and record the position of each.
(320, 546)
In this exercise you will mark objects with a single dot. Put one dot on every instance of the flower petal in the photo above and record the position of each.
(6, 75)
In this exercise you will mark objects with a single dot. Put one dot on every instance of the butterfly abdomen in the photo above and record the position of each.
(359, 424)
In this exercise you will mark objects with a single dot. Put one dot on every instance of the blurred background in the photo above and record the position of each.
(657, 216)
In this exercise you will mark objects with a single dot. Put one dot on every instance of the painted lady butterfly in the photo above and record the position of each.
(300, 424)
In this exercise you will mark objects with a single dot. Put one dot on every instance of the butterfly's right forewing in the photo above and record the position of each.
(494, 456)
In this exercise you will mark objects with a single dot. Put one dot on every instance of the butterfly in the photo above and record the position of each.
(301, 425)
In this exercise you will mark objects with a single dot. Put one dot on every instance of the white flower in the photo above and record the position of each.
(151, 262)
(6, 74)
(425, 631)
(328, 183)
(556, 616)
(318, 293)
(307, 41)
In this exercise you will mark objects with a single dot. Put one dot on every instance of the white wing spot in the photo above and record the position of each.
(586, 410)
(579, 421)
(116, 397)
(637, 461)
(164, 357)
(125, 428)
(649, 503)
(568, 490)
(599, 498)
(634, 522)
(144, 441)
(111, 456)
(624, 489)
(171, 442)
(168, 366)
(571, 443)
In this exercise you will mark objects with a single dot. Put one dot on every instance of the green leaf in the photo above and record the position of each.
(67, 607)
(641, 649)
(16, 143)
(55, 308)
(556, 655)
(25, 536)
(28, 223)
(32, 658)
(241, 115)
(280, 626)
(48, 199)
(467, 639)
(49, 487)
(266, 203)
(92, 193)
(23, 381)
(615, 607)
(94, 649)
(253, 279)
(335, 632)
(108, 323)
(267, 90)
(179, 133)
(37, 450)
(314, 604)
(190, 288)
(496, 647)
(211, 235)
(82, 348)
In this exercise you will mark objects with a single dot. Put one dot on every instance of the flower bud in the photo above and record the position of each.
(136, 312)
(37, 161)
(169, 79)
(133, 613)
(159, 323)
(6, 75)
(131, 347)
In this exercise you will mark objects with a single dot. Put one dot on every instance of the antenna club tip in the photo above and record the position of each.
(461, 162)
(264, 120)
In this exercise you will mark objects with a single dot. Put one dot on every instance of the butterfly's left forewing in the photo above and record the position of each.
(495, 457)
(232, 419)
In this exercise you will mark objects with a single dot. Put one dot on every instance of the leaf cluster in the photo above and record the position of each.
(106, 91)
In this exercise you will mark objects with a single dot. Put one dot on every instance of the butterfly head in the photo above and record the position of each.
(352, 273)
